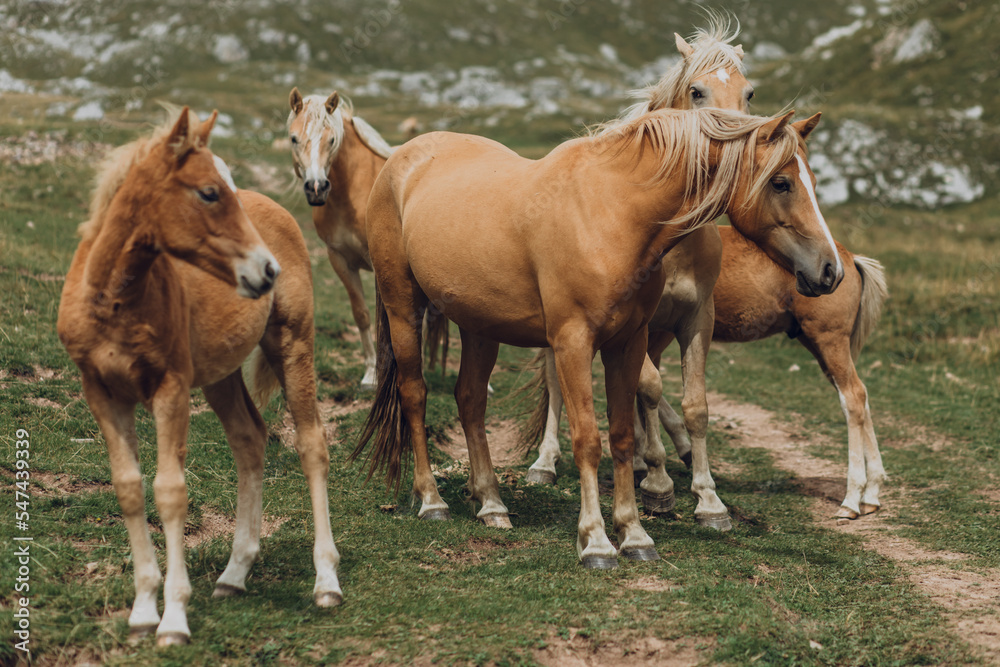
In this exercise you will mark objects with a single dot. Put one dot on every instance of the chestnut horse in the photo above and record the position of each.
(833, 327)
(338, 155)
(172, 286)
(564, 252)
(709, 74)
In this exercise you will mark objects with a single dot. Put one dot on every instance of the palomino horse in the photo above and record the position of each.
(565, 252)
(709, 74)
(338, 155)
(833, 327)
(173, 285)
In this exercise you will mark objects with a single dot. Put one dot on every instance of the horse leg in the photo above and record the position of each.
(671, 421)
(574, 354)
(351, 277)
(622, 371)
(694, 340)
(657, 488)
(639, 467)
(117, 422)
(289, 351)
(170, 407)
(543, 470)
(478, 357)
(247, 436)
(864, 462)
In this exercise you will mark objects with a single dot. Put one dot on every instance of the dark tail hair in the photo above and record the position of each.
(437, 339)
(385, 422)
(537, 391)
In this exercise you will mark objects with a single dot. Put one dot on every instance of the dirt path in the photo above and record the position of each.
(971, 600)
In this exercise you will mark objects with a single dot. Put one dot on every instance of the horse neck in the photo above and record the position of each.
(352, 173)
(123, 252)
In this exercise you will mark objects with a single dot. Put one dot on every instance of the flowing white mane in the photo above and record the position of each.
(712, 50)
(316, 119)
(371, 138)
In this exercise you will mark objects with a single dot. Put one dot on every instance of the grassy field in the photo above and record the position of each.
(782, 588)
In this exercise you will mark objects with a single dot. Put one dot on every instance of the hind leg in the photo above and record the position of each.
(351, 277)
(543, 470)
(669, 419)
(247, 436)
(478, 357)
(117, 422)
(657, 488)
(289, 350)
(695, 338)
(864, 462)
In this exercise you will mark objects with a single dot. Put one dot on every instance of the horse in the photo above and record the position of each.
(338, 155)
(709, 74)
(177, 279)
(565, 252)
(833, 327)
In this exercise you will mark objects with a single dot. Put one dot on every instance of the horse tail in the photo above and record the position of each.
(262, 383)
(385, 423)
(436, 338)
(538, 390)
(874, 292)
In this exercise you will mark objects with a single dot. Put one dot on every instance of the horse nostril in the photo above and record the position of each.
(829, 274)
(269, 270)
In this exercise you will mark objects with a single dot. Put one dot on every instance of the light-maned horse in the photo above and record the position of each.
(709, 74)
(564, 252)
(173, 285)
(753, 298)
(338, 155)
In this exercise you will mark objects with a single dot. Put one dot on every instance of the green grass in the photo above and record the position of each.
(463, 594)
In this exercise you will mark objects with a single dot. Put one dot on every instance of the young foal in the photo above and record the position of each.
(833, 327)
(564, 252)
(338, 155)
(173, 285)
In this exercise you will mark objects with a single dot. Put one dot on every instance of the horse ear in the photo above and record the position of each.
(295, 100)
(178, 139)
(739, 50)
(201, 136)
(683, 46)
(804, 127)
(332, 102)
(773, 128)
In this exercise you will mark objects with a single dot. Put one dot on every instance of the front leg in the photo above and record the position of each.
(351, 277)
(622, 366)
(170, 407)
(117, 422)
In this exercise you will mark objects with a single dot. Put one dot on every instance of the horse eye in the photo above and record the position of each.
(209, 194)
(696, 94)
(780, 185)
(295, 139)
(750, 96)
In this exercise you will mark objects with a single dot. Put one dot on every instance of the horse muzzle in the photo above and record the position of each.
(829, 278)
(317, 191)
(256, 273)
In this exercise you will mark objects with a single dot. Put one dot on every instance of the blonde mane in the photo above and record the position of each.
(712, 51)
(681, 141)
(314, 110)
(115, 167)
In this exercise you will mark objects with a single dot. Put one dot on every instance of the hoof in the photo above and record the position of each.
(436, 515)
(868, 509)
(330, 599)
(496, 520)
(720, 522)
(640, 553)
(599, 562)
(845, 513)
(658, 503)
(139, 632)
(686, 460)
(227, 591)
(638, 476)
(536, 476)
(172, 639)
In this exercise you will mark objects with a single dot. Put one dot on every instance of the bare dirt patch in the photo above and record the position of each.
(215, 524)
(652, 584)
(475, 551)
(44, 403)
(971, 599)
(503, 438)
(58, 484)
(577, 651)
(328, 411)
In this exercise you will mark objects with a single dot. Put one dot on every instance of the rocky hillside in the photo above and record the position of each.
(909, 88)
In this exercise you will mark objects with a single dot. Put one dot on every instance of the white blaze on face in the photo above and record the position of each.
(223, 168)
(722, 75)
(808, 185)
